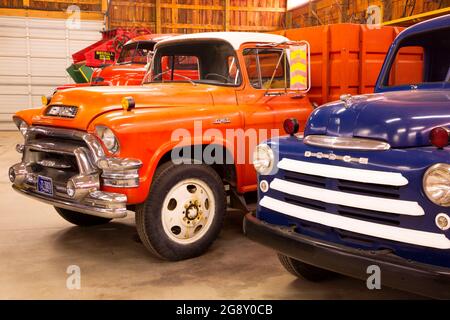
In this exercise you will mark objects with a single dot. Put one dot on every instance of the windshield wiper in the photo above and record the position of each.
(174, 74)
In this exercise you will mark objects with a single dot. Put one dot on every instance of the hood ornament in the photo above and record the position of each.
(347, 99)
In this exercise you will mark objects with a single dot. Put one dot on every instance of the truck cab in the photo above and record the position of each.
(368, 184)
(171, 149)
(132, 63)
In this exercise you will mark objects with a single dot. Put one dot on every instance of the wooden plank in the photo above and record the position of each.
(416, 18)
(104, 5)
(135, 4)
(158, 16)
(191, 6)
(214, 7)
(254, 28)
(26, 3)
(48, 14)
(195, 13)
(258, 9)
(227, 15)
(131, 24)
(95, 2)
(174, 13)
(191, 26)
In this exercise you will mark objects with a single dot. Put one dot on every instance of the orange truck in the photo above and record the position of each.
(176, 150)
(130, 67)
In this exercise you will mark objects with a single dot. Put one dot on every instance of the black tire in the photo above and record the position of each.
(304, 270)
(81, 219)
(149, 221)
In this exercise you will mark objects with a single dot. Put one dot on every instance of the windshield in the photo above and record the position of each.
(136, 52)
(421, 59)
(212, 62)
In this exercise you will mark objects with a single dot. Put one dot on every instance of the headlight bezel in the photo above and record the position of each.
(445, 200)
(263, 166)
(111, 146)
(21, 125)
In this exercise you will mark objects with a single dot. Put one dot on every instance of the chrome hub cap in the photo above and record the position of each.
(188, 210)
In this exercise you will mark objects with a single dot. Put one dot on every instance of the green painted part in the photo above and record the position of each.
(80, 73)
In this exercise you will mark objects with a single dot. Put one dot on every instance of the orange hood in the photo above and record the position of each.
(94, 101)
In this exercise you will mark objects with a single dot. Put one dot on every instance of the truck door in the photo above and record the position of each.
(267, 99)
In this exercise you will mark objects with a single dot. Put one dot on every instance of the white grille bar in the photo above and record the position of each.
(415, 237)
(344, 173)
(403, 207)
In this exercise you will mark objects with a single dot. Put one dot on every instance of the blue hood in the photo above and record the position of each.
(403, 118)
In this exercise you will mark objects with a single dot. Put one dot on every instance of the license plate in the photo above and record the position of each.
(45, 185)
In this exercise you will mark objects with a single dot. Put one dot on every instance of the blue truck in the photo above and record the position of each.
(368, 183)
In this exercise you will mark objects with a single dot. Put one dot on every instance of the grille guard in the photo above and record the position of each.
(93, 167)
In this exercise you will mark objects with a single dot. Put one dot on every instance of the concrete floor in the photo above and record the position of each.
(37, 246)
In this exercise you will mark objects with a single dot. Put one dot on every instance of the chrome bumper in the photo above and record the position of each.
(98, 203)
(49, 150)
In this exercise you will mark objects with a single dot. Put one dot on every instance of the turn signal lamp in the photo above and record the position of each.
(443, 221)
(439, 137)
(291, 126)
(128, 103)
(46, 100)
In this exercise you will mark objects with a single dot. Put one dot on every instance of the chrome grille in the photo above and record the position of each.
(353, 201)
(52, 153)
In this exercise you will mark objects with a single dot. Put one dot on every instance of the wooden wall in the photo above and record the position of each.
(165, 16)
(335, 11)
(53, 5)
(187, 16)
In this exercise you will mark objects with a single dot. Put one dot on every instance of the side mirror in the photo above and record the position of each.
(298, 55)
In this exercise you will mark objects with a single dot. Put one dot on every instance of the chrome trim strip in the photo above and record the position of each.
(92, 143)
(119, 164)
(403, 207)
(344, 173)
(53, 164)
(51, 147)
(346, 143)
(120, 173)
(415, 237)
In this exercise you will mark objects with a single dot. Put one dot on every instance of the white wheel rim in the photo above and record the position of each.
(188, 211)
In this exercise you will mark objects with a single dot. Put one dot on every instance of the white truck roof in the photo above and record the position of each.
(236, 39)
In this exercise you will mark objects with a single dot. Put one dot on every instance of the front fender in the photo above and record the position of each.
(154, 156)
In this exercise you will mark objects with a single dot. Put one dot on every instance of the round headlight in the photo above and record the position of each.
(108, 138)
(263, 159)
(436, 184)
